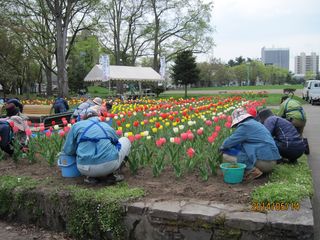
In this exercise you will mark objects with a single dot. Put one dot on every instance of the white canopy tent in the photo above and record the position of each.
(124, 73)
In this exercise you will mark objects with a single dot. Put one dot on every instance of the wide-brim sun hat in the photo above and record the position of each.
(239, 115)
(97, 101)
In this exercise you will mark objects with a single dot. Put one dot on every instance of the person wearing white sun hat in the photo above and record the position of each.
(83, 107)
(253, 143)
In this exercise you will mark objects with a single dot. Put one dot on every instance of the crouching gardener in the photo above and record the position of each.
(98, 150)
(255, 144)
(289, 142)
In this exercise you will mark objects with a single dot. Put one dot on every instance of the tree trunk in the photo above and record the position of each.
(61, 60)
(185, 90)
(49, 81)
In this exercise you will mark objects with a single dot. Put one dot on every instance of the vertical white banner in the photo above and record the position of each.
(105, 62)
(162, 70)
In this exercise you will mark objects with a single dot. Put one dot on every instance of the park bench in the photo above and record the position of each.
(37, 112)
(222, 92)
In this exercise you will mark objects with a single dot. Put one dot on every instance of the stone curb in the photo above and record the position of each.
(215, 217)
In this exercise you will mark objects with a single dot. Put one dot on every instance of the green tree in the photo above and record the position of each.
(185, 70)
(83, 56)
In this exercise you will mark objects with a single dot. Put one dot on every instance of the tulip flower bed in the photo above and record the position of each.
(183, 134)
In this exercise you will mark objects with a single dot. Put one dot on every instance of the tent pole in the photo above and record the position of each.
(140, 89)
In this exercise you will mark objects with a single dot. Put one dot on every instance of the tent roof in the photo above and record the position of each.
(124, 73)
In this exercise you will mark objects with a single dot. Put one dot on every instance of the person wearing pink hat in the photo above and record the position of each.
(253, 143)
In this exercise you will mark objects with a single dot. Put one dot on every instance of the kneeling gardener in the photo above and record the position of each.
(98, 150)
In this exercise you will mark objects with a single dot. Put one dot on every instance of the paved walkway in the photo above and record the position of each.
(298, 92)
(312, 132)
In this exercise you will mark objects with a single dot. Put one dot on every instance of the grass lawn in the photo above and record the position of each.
(272, 98)
(263, 87)
(99, 91)
(288, 183)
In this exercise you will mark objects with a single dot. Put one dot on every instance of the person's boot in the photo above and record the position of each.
(307, 150)
(91, 180)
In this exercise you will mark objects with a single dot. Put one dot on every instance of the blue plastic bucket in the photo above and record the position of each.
(68, 165)
(232, 175)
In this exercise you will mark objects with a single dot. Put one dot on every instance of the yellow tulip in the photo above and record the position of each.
(128, 125)
(154, 130)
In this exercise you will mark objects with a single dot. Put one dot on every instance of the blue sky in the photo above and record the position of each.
(243, 27)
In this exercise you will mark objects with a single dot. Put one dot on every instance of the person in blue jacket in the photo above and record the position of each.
(255, 145)
(288, 140)
(60, 105)
(98, 150)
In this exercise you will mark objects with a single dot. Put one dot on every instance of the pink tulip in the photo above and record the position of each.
(119, 132)
(62, 133)
(229, 119)
(214, 134)
(227, 124)
(28, 132)
(137, 136)
(66, 129)
(15, 129)
(217, 128)
(191, 152)
(184, 136)
(72, 121)
(48, 134)
(177, 140)
(211, 139)
(190, 136)
(208, 123)
(215, 119)
(200, 131)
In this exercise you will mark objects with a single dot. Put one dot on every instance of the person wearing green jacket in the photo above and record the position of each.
(292, 110)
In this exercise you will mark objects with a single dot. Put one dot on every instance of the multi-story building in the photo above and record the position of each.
(275, 56)
(306, 63)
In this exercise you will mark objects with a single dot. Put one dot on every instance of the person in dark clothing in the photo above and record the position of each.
(11, 109)
(60, 105)
(17, 103)
(289, 142)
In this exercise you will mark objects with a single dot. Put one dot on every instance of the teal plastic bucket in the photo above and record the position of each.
(232, 175)
(68, 165)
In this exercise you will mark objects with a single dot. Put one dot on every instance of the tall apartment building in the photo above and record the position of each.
(276, 56)
(306, 63)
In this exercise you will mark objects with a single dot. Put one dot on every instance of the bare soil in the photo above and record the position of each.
(17, 231)
(164, 187)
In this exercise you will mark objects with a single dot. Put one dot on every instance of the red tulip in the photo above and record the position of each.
(136, 123)
(252, 111)
(53, 123)
(131, 138)
(215, 119)
(157, 124)
(228, 124)
(229, 119)
(119, 123)
(191, 152)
